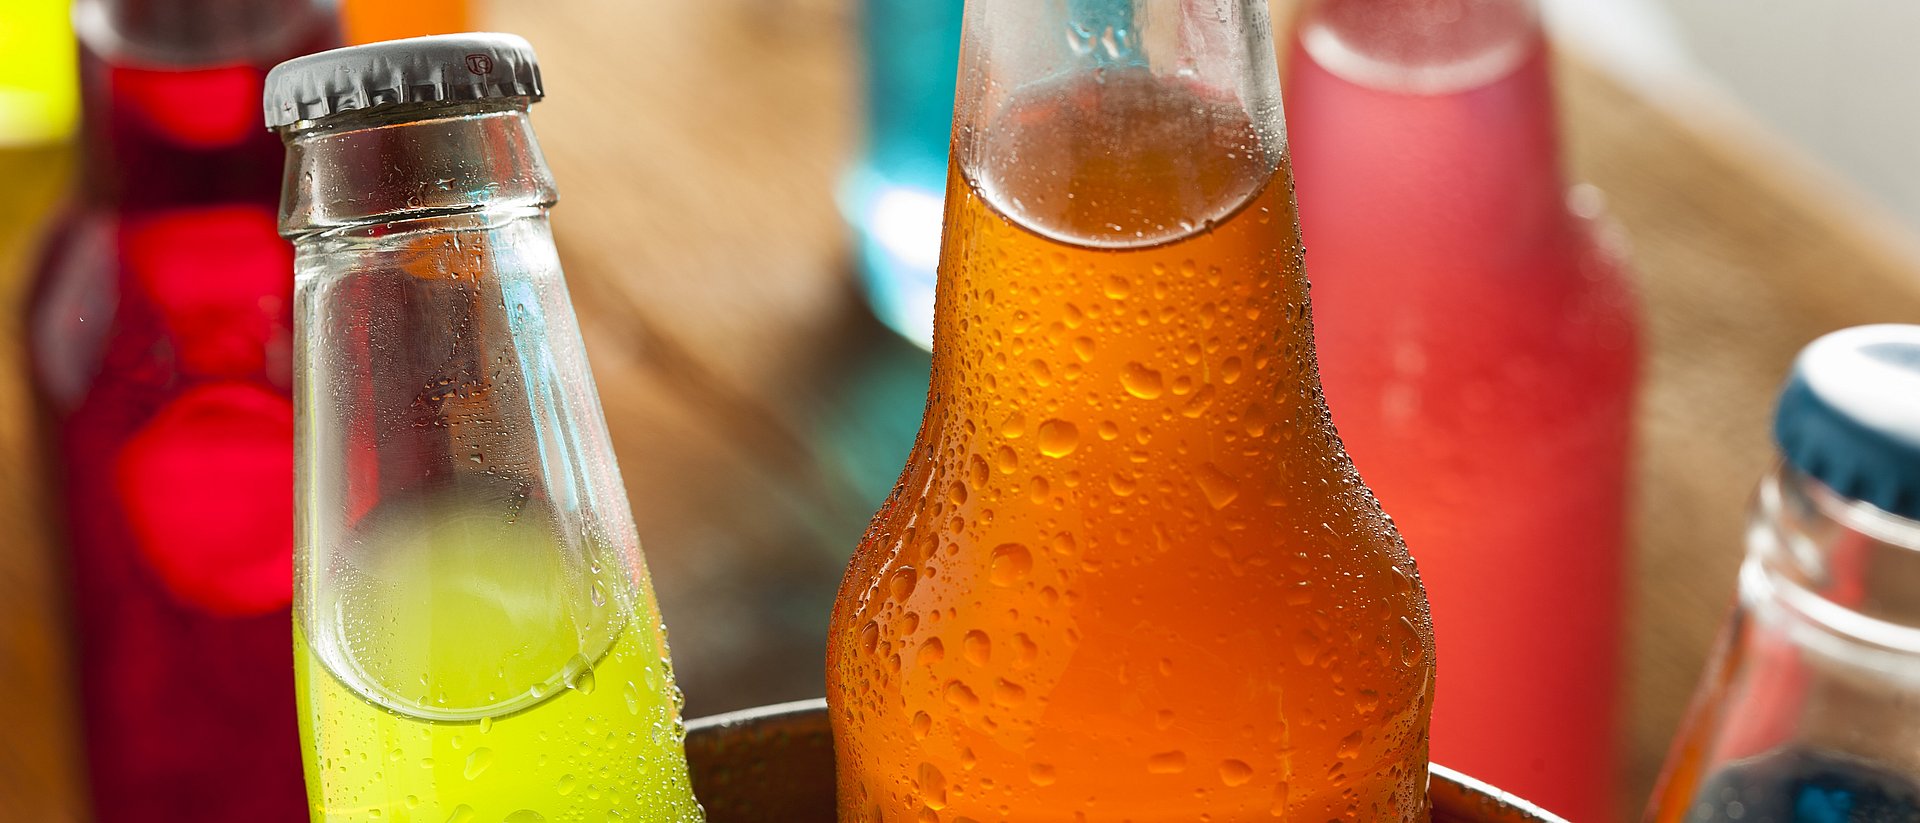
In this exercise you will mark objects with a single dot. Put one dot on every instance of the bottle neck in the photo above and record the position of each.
(400, 163)
(171, 96)
(1454, 96)
(1847, 570)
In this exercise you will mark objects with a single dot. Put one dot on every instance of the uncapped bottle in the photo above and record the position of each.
(1128, 572)
(475, 635)
(1809, 711)
(1479, 344)
(158, 332)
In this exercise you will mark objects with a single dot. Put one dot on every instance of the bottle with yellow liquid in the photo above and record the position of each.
(476, 638)
(1129, 574)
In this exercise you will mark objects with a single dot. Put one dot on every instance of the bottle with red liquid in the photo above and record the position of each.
(1479, 349)
(159, 334)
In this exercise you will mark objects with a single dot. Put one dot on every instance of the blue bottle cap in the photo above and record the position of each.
(1850, 415)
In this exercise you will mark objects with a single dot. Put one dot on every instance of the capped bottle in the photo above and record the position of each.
(1129, 572)
(1809, 711)
(158, 333)
(1479, 343)
(475, 634)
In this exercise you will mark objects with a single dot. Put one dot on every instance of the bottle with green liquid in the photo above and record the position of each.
(475, 635)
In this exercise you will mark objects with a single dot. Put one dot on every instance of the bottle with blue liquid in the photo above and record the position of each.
(1809, 711)
(895, 195)
(893, 198)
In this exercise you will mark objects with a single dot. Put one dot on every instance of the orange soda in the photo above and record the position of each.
(1129, 573)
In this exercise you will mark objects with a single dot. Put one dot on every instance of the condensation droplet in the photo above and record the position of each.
(977, 647)
(960, 696)
(901, 582)
(932, 786)
(1235, 772)
(1041, 774)
(1220, 488)
(1141, 381)
(1010, 564)
(1058, 438)
(477, 763)
(1007, 459)
(1173, 762)
(1008, 693)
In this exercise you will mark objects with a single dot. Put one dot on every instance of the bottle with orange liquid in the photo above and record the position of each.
(374, 21)
(1480, 354)
(1129, 572)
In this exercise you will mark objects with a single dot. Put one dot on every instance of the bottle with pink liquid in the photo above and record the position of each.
(159, 330)
(1479, 349)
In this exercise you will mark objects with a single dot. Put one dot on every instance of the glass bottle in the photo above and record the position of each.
(892, 197)
(1809, 711)
(475, 634)
(1128, 573)
(158, 333)
(1479, 346)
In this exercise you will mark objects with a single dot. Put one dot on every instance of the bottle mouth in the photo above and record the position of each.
(1428, 47)
(1848, 570)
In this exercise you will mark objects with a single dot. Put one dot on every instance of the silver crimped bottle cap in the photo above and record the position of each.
(442, 68)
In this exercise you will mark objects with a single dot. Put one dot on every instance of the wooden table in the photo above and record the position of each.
(760, 413)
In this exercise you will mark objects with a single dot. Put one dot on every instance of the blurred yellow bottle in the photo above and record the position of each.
(39, 91)
(371, 21)
(39, 104)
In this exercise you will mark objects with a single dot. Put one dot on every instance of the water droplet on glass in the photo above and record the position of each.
(977, 647)
(922, 723)
(932, 786)
(1041, 774)
(1007, 459)
(901, 584)
(1141, 381)
(526, 816)
(932, 651)
(1173, 762)
(1220, 488)
(1058, 438)
(581, 679)
(960, 696)
(1008, 693)
(462, 813)
(1235, 773)
(477, 763)
(1010, 564)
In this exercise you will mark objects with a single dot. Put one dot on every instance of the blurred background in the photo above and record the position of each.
(1755, 159)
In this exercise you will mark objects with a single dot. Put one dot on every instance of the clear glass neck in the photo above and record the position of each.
(1846, 572)
(1816, 684)
(1060, 101)
(400, 163)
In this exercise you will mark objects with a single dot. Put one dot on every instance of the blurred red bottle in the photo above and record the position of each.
(159, 336)
(1479, 349)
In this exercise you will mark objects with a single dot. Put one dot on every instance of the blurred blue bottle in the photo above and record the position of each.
(894, 196)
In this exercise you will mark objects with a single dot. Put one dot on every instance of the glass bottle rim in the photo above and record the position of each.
(1775, 574)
